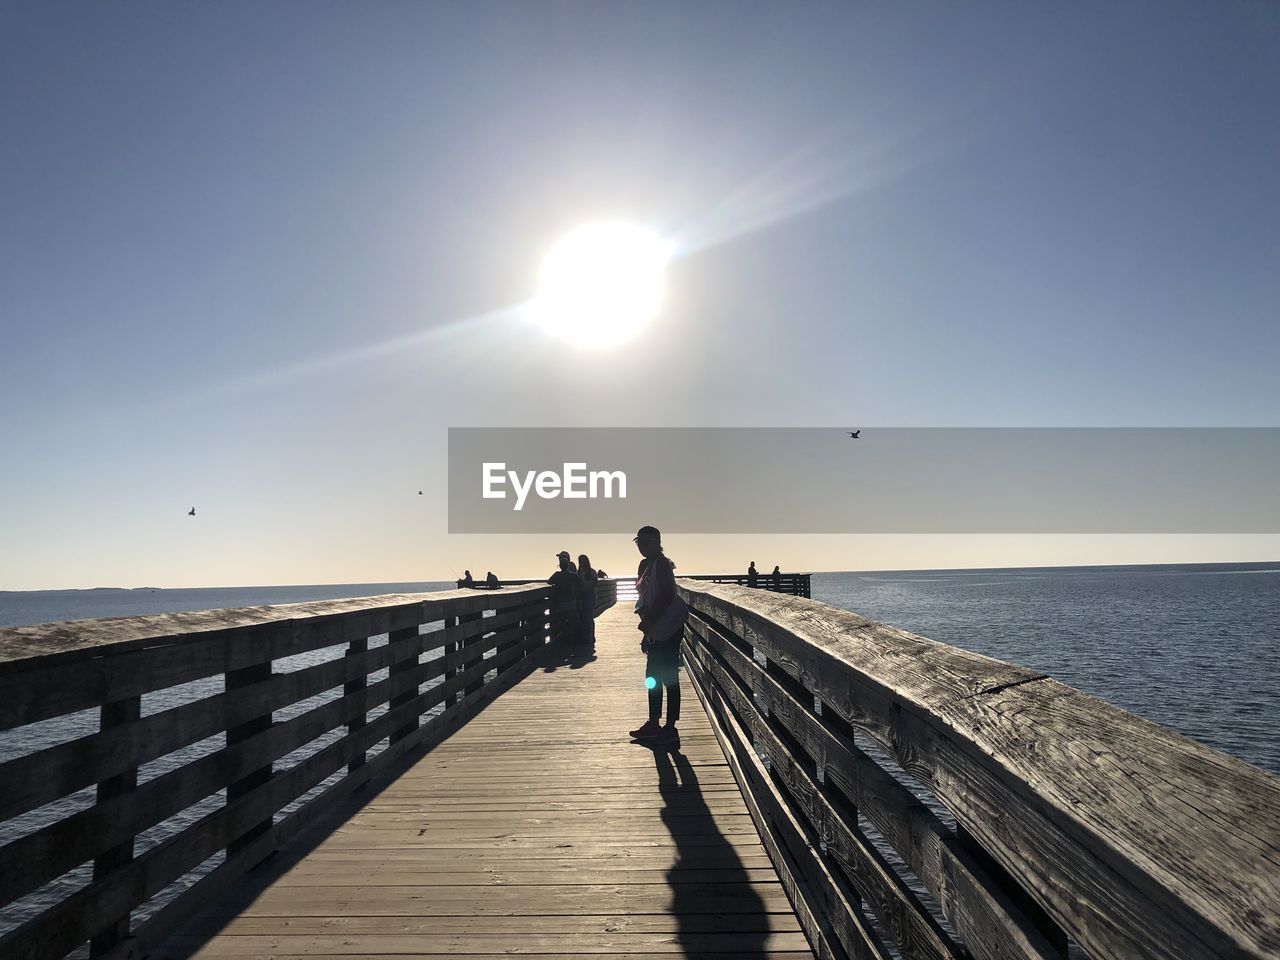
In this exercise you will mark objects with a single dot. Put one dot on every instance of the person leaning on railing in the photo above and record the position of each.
(564, 600)
(587, 604)
(662, 615)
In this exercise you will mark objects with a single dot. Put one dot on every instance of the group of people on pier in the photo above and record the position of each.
(753, 576)
(573, 596)
(491, 581)
(662, 614)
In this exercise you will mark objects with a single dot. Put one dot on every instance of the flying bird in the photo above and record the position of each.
(419, 493)
(853, 434)
(191, 512)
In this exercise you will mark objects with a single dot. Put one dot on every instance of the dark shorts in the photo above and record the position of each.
(663, 663)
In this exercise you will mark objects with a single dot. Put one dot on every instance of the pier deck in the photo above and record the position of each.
(537, 829)
(416, 775)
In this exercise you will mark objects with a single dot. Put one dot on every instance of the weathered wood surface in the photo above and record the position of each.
(536, 827)
(796, 584)
(48, 670)
(832, 923)
(482, 649)
(66, 639)
(988, 923)
(910, 928)
(1135, 840)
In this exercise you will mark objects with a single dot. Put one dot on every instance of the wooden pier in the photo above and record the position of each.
(537, 828)
(427, 775)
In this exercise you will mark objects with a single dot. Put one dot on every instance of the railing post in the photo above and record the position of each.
(356, 685)
(476, 641)
(235, 680)
(111, 715)
(515, 638)
(559, 622)
(450, 672)
(1035, 914)
(397, 668)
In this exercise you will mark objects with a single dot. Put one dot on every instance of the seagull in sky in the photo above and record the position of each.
(853, 434)
(191, 512)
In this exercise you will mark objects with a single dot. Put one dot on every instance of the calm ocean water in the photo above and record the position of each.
(1193, 647)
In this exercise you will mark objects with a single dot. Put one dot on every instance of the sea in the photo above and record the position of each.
(1194, 647)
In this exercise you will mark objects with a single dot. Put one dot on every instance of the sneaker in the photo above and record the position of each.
(667, 736)
(651, 728)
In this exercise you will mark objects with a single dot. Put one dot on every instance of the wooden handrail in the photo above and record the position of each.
(475, 644)
(796, 584)
(1076, 820)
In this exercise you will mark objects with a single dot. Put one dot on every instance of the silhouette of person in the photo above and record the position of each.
(602, 575)
(586, 603)
(662, 615)
(777, 578)
(466, 580)
(565, 587)
(491, 581)
(753, 577)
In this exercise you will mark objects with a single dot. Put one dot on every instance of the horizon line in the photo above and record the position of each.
(365, 583)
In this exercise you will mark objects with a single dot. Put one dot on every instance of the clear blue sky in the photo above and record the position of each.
(258, 257)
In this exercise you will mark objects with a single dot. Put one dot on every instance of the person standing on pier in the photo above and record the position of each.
(565, 587)
(753, 577)
(587, 604)
(662, 615)
(491, 581)
(777, 578)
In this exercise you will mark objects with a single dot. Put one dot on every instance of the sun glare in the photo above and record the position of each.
(601, 284)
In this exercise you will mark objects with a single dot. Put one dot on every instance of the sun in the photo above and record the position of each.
(601, 283)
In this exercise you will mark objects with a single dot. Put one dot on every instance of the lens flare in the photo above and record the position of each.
(650, 682)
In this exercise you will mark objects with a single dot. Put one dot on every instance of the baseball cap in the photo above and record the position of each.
(563, 553)
(649, 533)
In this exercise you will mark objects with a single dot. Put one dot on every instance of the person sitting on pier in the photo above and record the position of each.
(662, 615)
(586, 603)
(753, 577)
(491, 581)
(602, 575)
(466, 581)
(564, 600)
(777, 578)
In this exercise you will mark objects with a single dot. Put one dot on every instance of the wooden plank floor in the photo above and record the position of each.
(536, 829)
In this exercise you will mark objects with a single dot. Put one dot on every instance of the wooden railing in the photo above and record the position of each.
(1075, 821)
(378, 677)
(606, 590)
(796, 584)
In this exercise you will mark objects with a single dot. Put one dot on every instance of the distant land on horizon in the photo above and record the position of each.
(1250, 564)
